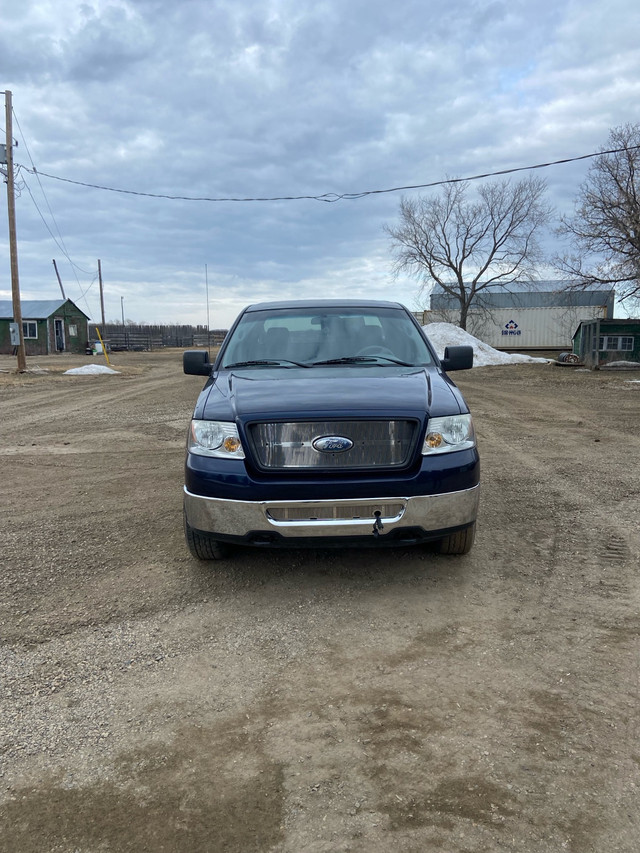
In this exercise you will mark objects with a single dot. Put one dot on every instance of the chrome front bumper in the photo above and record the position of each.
(299, 519)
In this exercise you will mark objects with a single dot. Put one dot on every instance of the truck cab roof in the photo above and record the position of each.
(323, 303)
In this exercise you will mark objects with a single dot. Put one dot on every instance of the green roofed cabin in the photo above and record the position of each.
(49, 326)
(600, 342)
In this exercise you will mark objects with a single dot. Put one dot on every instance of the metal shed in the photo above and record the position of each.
(48, 325)
(534, 315)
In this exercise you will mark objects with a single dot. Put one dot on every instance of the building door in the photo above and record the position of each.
(59, 331)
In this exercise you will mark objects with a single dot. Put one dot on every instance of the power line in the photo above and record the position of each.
(34, 171)
(46, 224)
(333, 197)
(38, 179)
(83, 293)
(61, 245)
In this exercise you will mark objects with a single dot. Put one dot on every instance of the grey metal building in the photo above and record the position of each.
(532, 315)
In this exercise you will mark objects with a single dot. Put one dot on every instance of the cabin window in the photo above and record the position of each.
(615, 343)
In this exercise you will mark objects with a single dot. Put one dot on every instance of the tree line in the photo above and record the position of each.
(470, 245)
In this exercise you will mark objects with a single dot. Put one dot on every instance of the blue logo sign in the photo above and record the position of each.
(511, 328)
(332, 443)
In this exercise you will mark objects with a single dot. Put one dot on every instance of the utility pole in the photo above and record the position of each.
(55, 266)
(13, 242)
(101, 293)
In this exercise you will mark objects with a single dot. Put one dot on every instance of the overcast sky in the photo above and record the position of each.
(263, 98)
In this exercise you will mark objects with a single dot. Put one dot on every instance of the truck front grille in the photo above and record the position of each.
(375, 444)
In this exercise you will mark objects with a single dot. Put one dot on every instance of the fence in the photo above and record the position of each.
(133, 337)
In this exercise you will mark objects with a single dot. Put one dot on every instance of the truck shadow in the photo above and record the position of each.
(348, 568)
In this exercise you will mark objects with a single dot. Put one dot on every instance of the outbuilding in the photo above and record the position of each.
(617, 341)
(527, 315)
(48, 325)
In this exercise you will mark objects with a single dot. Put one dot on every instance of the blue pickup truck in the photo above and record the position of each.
(329, 423)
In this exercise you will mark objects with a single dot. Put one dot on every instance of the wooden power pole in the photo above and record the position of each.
(55, 266)
(13, 242)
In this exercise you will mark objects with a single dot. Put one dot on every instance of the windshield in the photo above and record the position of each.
(304, 337)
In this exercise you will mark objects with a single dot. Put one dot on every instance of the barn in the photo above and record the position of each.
(618, 341)
(48, 325)
(526, 316)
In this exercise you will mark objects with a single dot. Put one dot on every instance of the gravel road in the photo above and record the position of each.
(316, 701)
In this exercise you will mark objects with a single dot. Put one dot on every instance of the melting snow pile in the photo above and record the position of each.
(633, 365)
(91, 369)
(444, 335)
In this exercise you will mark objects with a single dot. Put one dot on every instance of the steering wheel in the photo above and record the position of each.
(377, 350)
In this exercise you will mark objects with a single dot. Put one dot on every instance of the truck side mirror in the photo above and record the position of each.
(196, 362)
(457, 358)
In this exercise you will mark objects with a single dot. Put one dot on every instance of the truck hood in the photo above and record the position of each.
(333, 391)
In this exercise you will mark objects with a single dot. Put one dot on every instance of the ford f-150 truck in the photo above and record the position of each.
(329, 422)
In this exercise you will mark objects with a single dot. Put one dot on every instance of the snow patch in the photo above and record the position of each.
(92, 369)
(627, 365)
(443, 335)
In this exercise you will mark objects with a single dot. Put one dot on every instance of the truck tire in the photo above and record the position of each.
(202, 546)
(458, 543)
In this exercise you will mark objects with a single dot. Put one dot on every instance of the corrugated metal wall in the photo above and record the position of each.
(524, 328)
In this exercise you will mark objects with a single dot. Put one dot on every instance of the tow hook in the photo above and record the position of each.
(377, 524)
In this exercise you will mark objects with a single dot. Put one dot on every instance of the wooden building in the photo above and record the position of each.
(617, 341)
(49, 326)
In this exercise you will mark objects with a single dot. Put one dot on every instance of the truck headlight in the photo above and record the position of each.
(215, 438)
(447, 434)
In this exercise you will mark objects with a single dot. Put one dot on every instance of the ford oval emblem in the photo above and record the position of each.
(332, 443)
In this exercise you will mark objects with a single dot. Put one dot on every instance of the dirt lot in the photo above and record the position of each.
(316, 701)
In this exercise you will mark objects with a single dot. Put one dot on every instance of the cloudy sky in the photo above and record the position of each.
(272, 98)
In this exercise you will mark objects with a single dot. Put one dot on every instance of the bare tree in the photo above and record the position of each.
(605, 228)
(469, 248)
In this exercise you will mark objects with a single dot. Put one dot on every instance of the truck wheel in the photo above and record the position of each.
(458, 543)
(202, 546)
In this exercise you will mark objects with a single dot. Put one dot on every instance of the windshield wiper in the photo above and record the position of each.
(360, 359)
(395, 360)
(347, 359)
(264, 361)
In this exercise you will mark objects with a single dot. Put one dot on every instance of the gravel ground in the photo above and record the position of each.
(316, 700)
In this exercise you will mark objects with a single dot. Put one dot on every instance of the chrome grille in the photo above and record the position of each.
(375, 444)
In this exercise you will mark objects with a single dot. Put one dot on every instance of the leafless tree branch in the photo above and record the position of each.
(604, 230)
(468, 247)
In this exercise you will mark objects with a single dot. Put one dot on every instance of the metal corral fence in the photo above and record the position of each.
(140, 338)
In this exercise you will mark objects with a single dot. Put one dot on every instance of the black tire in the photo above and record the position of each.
(203, 546)
(458, 543)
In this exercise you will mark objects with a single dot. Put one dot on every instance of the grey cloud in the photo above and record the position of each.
(272, 97)
(106, 46)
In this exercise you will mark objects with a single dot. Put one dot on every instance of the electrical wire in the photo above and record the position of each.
(62, 248)
(61, 245)
(83, 293)
(331, 197)
(46, 224)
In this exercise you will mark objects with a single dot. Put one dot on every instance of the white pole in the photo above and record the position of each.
(206, 281)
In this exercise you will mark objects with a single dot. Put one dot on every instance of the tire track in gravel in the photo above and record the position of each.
(571, 488)
(387, 700)
(49, 405)
(572, 455)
